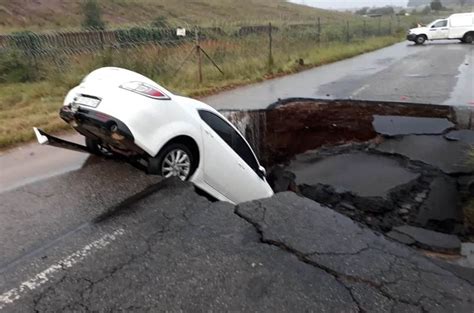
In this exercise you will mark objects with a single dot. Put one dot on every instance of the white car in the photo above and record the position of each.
(124, 113)
(458, 26)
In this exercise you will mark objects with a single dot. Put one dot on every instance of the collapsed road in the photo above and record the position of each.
(76, 236)
(159, 246)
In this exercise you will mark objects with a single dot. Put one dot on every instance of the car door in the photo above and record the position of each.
(233, 175)
(439, 30)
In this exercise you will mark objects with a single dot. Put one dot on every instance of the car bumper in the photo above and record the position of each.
(99, 126)
(411, 37)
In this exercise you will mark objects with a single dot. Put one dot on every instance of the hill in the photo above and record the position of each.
(467, 3)
(51, 14)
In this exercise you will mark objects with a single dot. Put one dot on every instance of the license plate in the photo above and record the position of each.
(87, 101)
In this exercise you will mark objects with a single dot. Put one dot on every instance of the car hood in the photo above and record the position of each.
(418, 30)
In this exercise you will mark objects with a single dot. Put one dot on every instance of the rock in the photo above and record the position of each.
(281, 180)
(391, 125)
(407, 206)
(321, 193)
(400, 237)
(403, 211)
(431, 240)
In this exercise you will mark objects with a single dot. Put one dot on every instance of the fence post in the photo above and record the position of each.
(380, 25)
(319, 31)
(198, 52)
(270, 46)
(348, 30)
(390, 26)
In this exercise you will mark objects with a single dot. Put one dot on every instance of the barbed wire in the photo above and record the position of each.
(161, 51)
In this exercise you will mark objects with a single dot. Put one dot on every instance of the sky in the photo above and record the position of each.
(349, 4)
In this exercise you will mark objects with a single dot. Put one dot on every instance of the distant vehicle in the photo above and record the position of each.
(122, 113)
(458, 26)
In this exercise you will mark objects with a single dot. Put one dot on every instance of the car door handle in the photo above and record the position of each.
(444, 28)
(209, 134)
(241, 166)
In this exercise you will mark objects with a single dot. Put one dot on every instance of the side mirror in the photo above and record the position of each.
(262, 171)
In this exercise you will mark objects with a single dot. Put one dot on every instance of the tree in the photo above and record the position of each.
(462, 2)
(92, 16)
(386, 10)
(426, 10)
(436, 5)
(362, 11)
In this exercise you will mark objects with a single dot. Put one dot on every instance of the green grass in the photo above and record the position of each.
(25, 105)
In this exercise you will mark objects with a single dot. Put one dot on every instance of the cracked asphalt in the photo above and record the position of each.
(82, 234)
(176, 251)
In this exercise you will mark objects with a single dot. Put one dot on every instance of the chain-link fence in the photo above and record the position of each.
(190, 54)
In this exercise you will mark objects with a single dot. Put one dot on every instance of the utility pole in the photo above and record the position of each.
(270, 46)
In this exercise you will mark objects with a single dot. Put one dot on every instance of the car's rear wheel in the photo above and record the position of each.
(96, 147)
(420, 40)
(468, 38)
(174, 160)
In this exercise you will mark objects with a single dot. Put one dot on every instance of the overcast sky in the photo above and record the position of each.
(348, 4)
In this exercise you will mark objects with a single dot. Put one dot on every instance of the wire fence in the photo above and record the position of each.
(189, 53)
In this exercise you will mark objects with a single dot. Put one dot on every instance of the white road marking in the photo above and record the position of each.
(43, 277)
(358, 91)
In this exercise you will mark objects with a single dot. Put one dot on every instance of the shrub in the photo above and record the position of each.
(15, 68)
(92, 16)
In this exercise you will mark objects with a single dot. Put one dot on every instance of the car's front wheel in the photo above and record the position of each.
(175, 159)
(420, 40)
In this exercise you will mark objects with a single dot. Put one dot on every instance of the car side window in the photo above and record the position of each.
(231, 137)
(223, 129)
(243, 150)
(440, 24)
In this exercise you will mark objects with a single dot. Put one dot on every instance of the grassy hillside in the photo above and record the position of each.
(50, 14)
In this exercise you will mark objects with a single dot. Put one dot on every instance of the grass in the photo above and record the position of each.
(25, 105)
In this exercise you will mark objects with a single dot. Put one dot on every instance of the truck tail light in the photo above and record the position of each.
(145, 90)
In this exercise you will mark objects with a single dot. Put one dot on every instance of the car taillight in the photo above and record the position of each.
(145, 90)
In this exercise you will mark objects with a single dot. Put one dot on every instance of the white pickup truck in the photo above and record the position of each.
(458, 26)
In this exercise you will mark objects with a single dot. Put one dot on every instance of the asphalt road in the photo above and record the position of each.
(438, 73)
(49, 196)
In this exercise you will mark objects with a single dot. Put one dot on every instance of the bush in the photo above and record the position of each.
(14, 68)
(92, 16)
